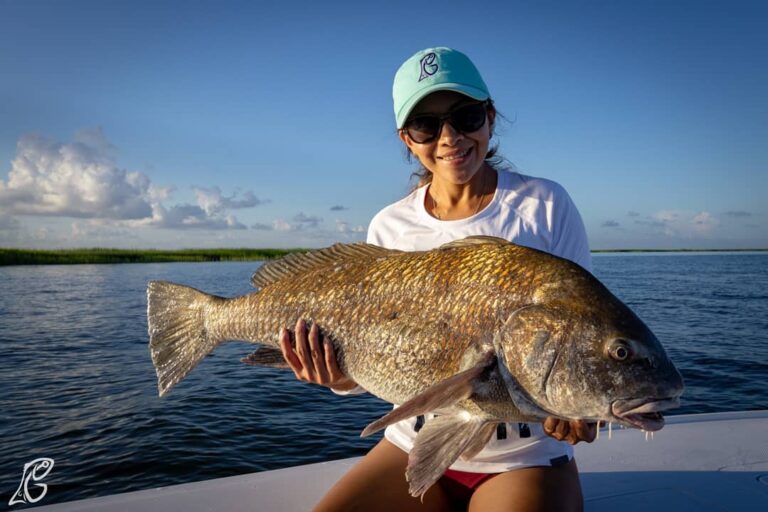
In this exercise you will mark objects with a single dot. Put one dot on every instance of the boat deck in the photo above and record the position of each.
(702, 462)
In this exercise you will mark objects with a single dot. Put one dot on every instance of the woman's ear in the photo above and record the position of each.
(491, 118)
(406, 140)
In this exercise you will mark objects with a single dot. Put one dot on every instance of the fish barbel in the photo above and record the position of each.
(480, 330)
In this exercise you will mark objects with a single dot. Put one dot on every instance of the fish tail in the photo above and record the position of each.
(178, 336)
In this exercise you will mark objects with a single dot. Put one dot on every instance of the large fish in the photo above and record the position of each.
(480, 331)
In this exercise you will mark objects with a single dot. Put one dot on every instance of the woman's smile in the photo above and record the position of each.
(457, 158)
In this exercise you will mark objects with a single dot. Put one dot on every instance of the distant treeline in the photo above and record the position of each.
(96, 255)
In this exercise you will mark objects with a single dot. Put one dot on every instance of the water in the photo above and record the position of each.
(78, 385)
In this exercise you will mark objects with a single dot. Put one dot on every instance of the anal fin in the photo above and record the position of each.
(438, 444)
(478, 442)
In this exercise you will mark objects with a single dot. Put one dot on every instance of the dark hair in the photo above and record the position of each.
(492, 158)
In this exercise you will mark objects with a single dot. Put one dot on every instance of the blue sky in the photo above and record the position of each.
(269, 124)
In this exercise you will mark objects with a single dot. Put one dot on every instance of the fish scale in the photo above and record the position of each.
(480, 330)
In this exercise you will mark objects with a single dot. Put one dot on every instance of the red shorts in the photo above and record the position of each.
(470, 481)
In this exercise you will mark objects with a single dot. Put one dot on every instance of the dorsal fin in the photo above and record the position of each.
(294, 263)
(475, 240)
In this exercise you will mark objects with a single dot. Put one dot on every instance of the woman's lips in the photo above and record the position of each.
(458, 157)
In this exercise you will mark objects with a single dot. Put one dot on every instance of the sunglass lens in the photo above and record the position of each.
(466, 119)
(422, 129)
(470, 118)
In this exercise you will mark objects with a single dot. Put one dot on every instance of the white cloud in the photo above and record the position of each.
(305, 221)
(667, 216)
(212, 201)
(683, 224)
(281, 225)
(159, 194)
(81, 180)
(78, 179)
(300, 222)
(704, 222)
(344, 227)
(187, 216)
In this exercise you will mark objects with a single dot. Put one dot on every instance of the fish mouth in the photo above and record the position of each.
(643, 413)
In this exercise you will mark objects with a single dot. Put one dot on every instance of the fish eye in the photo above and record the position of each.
(620, 350)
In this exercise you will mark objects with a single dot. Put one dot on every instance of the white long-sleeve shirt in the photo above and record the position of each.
(533, 212)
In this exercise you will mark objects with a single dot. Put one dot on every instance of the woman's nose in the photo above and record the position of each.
(448, 133)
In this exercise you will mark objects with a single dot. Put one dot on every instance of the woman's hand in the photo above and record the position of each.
(312, 360)
(570, 431)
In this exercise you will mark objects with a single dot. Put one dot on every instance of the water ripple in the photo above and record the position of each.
(78, 385)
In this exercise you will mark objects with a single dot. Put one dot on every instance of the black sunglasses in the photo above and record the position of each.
(426, 128)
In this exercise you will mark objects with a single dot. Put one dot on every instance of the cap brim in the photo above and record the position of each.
(467, 90)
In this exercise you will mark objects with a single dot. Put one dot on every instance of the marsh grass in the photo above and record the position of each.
(100, 255)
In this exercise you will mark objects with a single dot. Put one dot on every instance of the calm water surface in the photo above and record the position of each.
(78, 385)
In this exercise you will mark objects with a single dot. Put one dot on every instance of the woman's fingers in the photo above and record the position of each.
(288, 353)
(334, 372)
(307, 358)
(582, 431)
(338, 380)
(571, 431)
(549, 425)
(303, 351)
(556, 428)
(316, 352)
(293, 354)
(312, 357)
(562, 430)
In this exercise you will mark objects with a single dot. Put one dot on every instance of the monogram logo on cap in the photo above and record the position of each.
(428, 65)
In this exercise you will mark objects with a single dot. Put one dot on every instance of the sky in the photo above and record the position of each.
(171, 124)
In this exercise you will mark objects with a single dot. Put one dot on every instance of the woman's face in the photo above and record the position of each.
(452, 156)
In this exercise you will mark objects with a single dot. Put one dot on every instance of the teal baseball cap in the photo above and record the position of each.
(434, 69)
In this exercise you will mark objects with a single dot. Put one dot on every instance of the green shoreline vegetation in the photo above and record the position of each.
(101, 255)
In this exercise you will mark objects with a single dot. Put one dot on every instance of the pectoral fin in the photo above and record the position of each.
(266, 356)
(441, 395)
(438, 444)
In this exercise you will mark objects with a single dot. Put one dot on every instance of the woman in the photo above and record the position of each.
(445, 118)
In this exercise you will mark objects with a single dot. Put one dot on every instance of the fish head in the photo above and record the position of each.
(593, 361)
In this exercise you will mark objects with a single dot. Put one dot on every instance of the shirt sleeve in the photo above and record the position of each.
(374, 236)
(569, 238)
